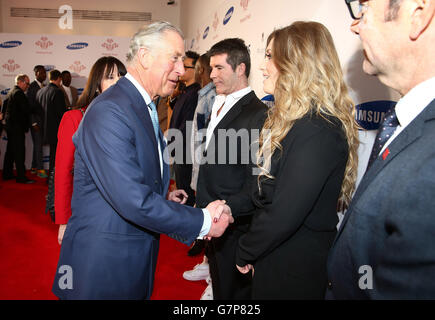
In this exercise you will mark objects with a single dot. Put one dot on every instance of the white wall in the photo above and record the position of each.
(158, 8)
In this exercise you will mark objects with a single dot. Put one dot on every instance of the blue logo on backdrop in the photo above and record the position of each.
(49, 67)
(5, 91)
(228, 15)
(10, 44)
(206, 32)
(79, 91)
(370, 115)
(268, 100)
(77, 45)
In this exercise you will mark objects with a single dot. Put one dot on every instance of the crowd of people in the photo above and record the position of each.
(257, 187)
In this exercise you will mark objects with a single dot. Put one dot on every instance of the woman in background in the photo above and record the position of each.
(104, 73)
(307, 161)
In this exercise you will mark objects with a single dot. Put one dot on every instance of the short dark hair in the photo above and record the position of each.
(54, 75)
(236, 50)
(65, 72)
(192, 55)
(38, 67)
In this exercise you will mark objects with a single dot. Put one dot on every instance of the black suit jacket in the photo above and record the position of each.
(17, 110)
(52, 100)
(295, 221)
(37, 113)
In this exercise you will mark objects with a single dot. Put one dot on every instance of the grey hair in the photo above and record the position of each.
(149, 37)
(21, 77)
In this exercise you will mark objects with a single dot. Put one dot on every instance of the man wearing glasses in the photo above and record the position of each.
(182, 115)
(17, 124)
(385, 248)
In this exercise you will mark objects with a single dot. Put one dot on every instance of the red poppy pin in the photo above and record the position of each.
(385, 154)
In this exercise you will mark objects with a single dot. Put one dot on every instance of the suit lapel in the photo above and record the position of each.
(410, 134)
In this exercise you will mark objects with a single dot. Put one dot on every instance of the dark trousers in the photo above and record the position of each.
(15, 153)
(53, 147)
(227, 282)
(183, 177)
(37, 149)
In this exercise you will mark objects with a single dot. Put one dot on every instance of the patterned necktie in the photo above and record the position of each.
(385, 132)
(155, 120)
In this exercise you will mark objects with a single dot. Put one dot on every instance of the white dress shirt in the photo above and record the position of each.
(228, 102)
(207, 218)
(411, 105)
(68, 93)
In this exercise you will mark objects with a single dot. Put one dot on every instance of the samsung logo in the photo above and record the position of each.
(228, 15)
(370, 115)
(10, 44)
(77, 45)
(80, 91)
(5, 91)
(49, 67)
(206, 32)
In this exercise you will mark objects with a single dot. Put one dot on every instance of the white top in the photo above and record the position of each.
(411, 105)
(68, 93)
(228, 102)
(207, 218)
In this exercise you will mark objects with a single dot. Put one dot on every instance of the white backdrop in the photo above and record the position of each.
(207, 22)
(19, 53)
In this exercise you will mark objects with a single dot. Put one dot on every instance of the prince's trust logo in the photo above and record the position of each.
(44, 43)
(11, 66)
(77, 67)
(110, 45)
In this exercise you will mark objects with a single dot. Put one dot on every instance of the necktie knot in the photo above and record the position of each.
(385, 132)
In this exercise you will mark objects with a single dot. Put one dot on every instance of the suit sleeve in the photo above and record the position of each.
(241, 202)
(107, 143)
(302, 173)
(63, 181)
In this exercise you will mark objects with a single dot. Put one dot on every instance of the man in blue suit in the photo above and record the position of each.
(385, 247)
(121, 178)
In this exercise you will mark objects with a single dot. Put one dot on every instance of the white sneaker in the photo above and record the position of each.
(199, 272)
(208, 293)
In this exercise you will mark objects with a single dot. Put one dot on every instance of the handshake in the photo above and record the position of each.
(220, 213)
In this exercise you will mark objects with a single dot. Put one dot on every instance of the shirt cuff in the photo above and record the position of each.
(206, 225)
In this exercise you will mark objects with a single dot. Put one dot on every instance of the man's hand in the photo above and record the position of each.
(61, 232)
(246, 269)
(221, 218)
(178, 195)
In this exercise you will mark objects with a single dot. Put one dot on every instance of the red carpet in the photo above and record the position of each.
(29, 250)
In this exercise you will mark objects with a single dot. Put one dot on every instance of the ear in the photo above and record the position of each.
(422, 16)
(240, 69)
(144, 57)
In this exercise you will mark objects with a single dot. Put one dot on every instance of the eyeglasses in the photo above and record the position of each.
(356, 8)
(189, 67)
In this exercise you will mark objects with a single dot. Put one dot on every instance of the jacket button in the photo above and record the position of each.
(330, 285)
(156, 182)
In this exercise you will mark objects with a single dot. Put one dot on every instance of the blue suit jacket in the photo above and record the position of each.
(385, 247)
(118, 205)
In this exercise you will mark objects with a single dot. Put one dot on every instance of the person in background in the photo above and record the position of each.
(17, 118)
(70, 92)
(181, 120)
(104, 73)
(52, 101)
(201, 118)
(120, 203)
(385, 247)
(307, 161)
(37, 115)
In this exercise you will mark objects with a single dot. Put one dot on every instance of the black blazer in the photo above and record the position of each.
(295, 221)
(52, 100)
(17, 114)
(37, 113)
(229, 180)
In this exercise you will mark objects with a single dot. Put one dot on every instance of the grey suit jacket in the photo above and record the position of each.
(385, 248)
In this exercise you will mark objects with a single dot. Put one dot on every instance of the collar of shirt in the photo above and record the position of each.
(142, 91)
(206, 89)
(66, 88)
(228, 101)
(414, 102)
(39, 83)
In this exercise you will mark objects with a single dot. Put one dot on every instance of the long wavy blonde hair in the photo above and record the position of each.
(310, 80)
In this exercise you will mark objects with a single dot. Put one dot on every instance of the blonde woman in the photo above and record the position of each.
(307, 162)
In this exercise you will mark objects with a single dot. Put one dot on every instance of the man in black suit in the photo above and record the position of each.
(37, 113)
(17, 124)
(181, 118)
(226, 175)
(52, 100)
(385, 247)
